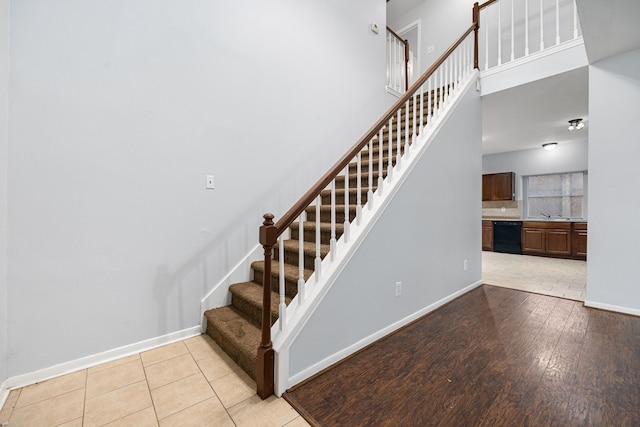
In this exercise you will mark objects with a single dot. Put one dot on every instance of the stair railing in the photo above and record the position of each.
(397, 62)
(514, 29)
(424, 100)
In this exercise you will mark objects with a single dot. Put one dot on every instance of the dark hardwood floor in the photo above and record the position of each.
(493, 357)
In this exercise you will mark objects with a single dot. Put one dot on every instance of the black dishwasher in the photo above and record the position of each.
(507, 237)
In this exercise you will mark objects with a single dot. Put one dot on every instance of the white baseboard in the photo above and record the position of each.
(93, 360)
(336, 357)
(609, 307)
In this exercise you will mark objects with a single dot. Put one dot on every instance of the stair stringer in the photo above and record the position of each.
(299, 312)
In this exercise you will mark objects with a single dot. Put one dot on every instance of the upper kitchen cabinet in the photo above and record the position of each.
(498, 186)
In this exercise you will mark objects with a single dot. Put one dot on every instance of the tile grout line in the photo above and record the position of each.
(84, 400)
(212, 389)
(146, 381)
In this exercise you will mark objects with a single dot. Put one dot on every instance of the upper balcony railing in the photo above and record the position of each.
(397, 63)
(514, 29)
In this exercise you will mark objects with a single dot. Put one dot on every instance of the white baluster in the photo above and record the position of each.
(422, 123)
(526, 27)
(406, 128)
(445, 81)
(557, 22)
(393, 63)
(541, 25)
(447, 71)
(359, 187)
(396, 64)
(441, 88)
(436, 93)
(380, 160)
(575, 20)
(415, 114)
(429, 100)
(449, 66)
(467, 60)
(389, 62)
(486, 45)
(282, 308)
(318, 260)
(512, 34)
(499, 33)
(347, 223)
(460, 62)
(301, 286)
(332, 242)
(399, 138)
(390, 166)
(370, 192)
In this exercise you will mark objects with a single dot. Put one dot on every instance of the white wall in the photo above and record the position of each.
(4, 107)
(422, 239)
(569, 157)
(442, 22)
(614, 231)
(119, 109)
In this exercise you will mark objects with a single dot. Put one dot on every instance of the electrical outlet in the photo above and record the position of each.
(398, 288)
(210, 182)
(466, 264)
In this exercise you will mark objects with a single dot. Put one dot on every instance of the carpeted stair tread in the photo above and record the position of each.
(309, 248)
(290, 271)
(247, 297)
(236, 335)
(324, 226)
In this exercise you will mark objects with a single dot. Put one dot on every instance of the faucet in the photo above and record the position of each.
(548, 216)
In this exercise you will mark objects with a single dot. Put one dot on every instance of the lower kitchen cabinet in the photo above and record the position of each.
(579, 240)
(487, 235)
(547, 238)
(533, 241)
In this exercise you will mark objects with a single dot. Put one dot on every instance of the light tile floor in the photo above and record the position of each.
(565, 278)
(187, 383)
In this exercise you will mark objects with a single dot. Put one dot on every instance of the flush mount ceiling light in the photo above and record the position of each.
(550, 146)
(575, 124)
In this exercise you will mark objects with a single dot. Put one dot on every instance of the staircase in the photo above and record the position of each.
(236, 328)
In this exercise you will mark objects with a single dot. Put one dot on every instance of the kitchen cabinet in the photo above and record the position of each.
(487, 235)
(579, 240)
(532, 241)
(498, 186)
(548, 238)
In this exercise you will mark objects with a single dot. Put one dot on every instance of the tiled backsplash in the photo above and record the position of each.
(512, 209)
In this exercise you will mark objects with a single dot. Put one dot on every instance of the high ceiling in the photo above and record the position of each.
(530, 115)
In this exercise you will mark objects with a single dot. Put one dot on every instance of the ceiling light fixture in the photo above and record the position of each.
(550, 146)
(575, 124)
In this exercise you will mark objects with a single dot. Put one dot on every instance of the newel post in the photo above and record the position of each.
(264, 373)
(476, 21)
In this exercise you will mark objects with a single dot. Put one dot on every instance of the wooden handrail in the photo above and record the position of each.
(269, 232)
(485, 4)
(396, 35)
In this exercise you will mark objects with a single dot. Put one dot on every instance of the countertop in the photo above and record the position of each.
(532, 219)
